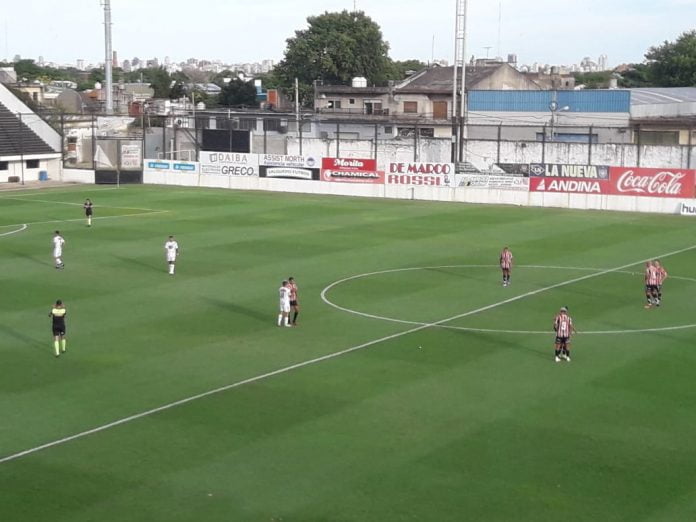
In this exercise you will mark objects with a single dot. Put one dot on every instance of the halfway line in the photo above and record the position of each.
(323, 358)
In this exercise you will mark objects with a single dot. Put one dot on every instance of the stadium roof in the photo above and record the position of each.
(16, 138)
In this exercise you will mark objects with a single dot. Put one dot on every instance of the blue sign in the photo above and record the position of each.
(184, 166)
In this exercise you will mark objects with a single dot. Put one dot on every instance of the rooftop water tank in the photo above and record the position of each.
(359, 81)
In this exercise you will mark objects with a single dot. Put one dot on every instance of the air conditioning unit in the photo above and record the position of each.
(324, 135)
(283, 129)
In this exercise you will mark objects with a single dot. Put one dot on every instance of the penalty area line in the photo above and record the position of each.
(317, 360)
(22, 228)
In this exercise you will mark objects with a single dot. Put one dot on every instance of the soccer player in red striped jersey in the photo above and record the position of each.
(652, 281)
(294, 302)
(563, 326)
(661, 276)
(506, 265)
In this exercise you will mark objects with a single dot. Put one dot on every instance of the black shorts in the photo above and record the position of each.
(58, 330)
(562, 340)
(651, 288)
(293, 303)
(88, 212)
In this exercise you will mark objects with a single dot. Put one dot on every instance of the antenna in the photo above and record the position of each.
(7, 47)
(488, 49)
(432, 52)
(108, 57)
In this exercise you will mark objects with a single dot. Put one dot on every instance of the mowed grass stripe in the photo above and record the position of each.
(390, 434)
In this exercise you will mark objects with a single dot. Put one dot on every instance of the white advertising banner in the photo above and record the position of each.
(415, 173)
(688, 209)
(229, 163)
(492, 181)
(130, 155)
(281, 160)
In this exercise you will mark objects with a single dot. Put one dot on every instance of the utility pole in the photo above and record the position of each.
(108, 57)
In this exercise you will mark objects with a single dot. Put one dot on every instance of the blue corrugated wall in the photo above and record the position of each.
(540, 101)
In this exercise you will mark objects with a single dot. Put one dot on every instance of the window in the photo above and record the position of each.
(410, 107)
(388, 130)
(271, 124)
(4, 165)
(658, 137)
(426, 132)
(247, 124)
(32, 164)
(352, 101)
(334, 104)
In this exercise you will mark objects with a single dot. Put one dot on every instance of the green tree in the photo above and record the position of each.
(673, 64)
(177, 91)
(335, 48)
(401, 69)
(238, 92)
(594, 80)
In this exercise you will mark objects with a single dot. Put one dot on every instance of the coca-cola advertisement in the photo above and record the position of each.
(351, 170)
(657, 183)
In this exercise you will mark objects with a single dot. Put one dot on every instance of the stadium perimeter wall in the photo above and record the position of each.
(477, 195)
(486, 153)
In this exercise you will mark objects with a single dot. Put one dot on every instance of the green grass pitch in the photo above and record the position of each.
(468, 419)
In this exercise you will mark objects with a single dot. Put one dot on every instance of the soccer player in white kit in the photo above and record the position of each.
(58, 243)
(284, 292)
(171, 247)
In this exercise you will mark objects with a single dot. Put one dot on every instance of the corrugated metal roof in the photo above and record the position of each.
(657, 95)
(615, 101)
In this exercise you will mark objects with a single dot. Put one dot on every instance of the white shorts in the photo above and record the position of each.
(284, 306)
(57, 252)
(171, 258)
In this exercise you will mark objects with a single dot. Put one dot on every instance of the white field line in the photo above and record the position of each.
(154, 212)
(22, 228)
(58, 189)
(316, 360)
(74, 204)
(492, 330)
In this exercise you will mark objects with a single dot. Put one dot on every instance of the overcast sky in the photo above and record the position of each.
(544, 31)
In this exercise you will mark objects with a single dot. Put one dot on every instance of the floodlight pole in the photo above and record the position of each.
(108, 57)
(459, 104)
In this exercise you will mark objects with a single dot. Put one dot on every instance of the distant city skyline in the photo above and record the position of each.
(544, 32)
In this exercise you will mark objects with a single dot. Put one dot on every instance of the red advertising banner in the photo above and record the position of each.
(658, 183)
(567, 185)
(351, 170)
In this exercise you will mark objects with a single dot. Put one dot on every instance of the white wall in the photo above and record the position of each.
(47, 163)
(77, 175)
(483, 154)
(462, 194)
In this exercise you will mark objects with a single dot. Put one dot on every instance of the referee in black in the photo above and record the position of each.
(88, 211)
(58, 313)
